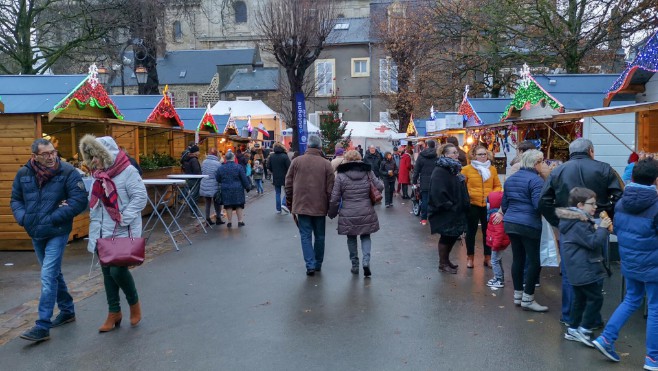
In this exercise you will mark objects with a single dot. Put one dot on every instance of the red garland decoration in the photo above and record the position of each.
(467, 110)
(209, 121)
(93, 96)
(166, 110)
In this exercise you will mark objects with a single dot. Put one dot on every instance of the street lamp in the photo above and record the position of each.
(140, 71)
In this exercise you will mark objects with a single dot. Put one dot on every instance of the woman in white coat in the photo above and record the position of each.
(117, 198)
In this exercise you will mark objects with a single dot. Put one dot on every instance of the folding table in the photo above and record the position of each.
(161, 198)
(187, 197)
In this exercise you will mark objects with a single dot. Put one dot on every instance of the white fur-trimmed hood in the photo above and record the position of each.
(104, 148)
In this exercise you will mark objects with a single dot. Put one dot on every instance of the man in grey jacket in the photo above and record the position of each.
(46, 195)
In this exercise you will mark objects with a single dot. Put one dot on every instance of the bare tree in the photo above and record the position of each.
(35, 34)
(295, 32)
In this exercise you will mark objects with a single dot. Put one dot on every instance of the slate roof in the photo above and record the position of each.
(191, 67)
(577, 92)
(136, 108)
(489, 109)
(36, 93)
(190, 117)
(357, 32)
(260, 79)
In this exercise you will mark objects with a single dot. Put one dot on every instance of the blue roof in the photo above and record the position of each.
(36, 93)
(191, 117)
(257, 80)
(489, 109)
(191, 67)
(577, 92)
(350, 31)
(136, 108)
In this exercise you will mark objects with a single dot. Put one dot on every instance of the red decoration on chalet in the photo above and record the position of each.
(468, 112)
(164, 110)
(208, 122)
(89, 94)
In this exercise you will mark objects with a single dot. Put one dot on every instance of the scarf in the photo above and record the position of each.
(44, 173)
(483, 169)
(453, 166)
(104, 188)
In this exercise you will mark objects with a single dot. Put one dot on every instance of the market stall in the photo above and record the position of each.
(262, 118)
(61, 108)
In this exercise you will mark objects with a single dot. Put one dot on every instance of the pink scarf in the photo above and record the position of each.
(104, 188)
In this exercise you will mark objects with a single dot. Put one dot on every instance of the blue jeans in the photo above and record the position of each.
(497, 265)
(49, 252)
(278, 198)
(424, 201)
(633, 300)
(259, 185)
(313, 250)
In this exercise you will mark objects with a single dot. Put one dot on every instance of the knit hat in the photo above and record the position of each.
(634, 157)
(339, 151)
(194, 148)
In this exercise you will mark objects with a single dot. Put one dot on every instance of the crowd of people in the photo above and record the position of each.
(578, 201)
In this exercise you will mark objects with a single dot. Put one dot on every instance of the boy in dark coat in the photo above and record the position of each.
(581, 250)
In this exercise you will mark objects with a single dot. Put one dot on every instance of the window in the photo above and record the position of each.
(240, 9)
(324, 77)
(178, 31)
(194, 99)
(243, 98)
(360, 67)
(172, 98)
(388, 76)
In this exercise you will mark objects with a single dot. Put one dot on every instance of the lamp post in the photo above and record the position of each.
(140, 71)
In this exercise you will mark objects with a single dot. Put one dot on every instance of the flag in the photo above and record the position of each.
(251, 128)
(432, 116)
(262, 130)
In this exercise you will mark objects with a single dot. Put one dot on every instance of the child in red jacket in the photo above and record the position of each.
(497, 240)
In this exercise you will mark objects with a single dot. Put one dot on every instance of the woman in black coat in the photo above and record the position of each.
(388, 170)
(233, 182)
(448, 204)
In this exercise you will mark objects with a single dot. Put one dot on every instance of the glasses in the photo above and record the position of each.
(590, 203)
(480, 154)
(47, 154)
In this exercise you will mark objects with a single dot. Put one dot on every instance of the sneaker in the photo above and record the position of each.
(278, 212)
(608, 349)
(355, 270)
(495, 282)
(650, 364)
(366, 271)
(285, 209)
(36, 334)
(62, 319)
(423, 222)
(310, 272)
(580, 335)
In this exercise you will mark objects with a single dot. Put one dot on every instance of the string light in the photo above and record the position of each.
(646, 60)
(529, 94)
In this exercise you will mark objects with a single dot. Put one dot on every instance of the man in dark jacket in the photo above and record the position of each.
(191, 165)
(423, 172)
(278, 164)
(309, 183)
(582, 170)
(45, 197)
(374, 159)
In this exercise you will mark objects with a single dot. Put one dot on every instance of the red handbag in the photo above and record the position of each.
(375, 195)
(121, 251)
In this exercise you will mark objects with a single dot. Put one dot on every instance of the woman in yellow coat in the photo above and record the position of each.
(481, 179)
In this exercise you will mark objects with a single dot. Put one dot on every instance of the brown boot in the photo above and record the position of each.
(487, 261)
(469, 261)
(113, 321)
(135, 314)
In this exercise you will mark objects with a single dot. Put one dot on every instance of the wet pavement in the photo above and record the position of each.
(239, 299)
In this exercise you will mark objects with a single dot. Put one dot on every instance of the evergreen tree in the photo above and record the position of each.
(332, 128)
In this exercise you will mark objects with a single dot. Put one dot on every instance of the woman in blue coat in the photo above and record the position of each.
(233, 182)
(209, 186)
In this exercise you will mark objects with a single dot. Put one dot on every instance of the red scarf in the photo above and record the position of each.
(44, 173)
(104, 188)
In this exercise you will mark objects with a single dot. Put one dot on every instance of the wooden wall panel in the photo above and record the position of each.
(125, 137)
(647, 139)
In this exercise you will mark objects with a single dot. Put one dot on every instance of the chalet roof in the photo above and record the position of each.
(577, 91)
(191, 117)
(489, 109)
(350, 31)
(636, 74)
(36, 93)
(192, 67)
(136, 108)
(260, 79)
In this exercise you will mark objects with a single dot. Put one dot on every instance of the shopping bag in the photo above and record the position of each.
(548, 247)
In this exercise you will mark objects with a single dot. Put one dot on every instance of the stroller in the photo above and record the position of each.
(415, 199)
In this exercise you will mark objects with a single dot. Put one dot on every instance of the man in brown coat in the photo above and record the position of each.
(309, 183)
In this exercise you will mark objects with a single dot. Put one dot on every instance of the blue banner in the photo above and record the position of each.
(300, 111)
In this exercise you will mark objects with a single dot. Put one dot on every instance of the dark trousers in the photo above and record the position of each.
(424, 202)
(116, 278)
(209, 201)
(389, 189)
(476, 214)
(525, 248)
(586, 306)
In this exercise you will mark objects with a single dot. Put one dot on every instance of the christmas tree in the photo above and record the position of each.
(332, 128)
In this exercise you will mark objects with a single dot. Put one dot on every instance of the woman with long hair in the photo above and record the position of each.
(481, 179)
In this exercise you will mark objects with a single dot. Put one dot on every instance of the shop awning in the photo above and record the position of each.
(605, 111)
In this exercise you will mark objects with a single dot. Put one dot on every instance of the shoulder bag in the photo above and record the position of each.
(120, 251)
(375, 195)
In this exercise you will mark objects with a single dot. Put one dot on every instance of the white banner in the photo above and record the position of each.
(454, 121)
